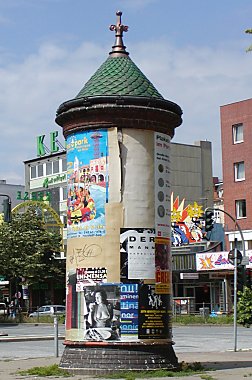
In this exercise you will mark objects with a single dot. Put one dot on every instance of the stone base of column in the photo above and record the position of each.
(98, 358)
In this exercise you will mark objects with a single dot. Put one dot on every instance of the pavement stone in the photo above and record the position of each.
(228, 365)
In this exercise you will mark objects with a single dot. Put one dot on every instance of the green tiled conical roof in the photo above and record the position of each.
(119, 76)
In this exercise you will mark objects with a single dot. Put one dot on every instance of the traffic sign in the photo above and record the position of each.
(231, 257)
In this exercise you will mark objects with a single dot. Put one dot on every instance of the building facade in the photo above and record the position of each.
(236, 135)
(191, 172)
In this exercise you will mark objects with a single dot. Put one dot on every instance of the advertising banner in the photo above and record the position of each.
(87, 179)
(217, 261)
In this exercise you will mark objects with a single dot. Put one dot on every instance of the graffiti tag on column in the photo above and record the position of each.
(87, 251)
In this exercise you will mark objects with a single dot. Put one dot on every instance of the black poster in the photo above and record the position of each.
(153, 314)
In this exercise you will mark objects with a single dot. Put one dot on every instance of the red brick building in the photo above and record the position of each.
(236, 135)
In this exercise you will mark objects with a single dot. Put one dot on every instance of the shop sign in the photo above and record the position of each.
(188, 276)
(217, 261)
(42, 148)
(34, 196)
(55, 179)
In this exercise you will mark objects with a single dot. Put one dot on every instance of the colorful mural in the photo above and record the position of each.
(186, 222)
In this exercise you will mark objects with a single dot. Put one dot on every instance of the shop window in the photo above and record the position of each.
(239, 171)
(240, 206)
(238, 133)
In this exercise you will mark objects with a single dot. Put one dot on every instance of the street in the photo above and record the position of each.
(187, 339)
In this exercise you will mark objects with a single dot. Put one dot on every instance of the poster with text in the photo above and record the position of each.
(129, 308)
(89, 276)
(87, 180)
(137, 249)
(153, 313)
(162, 185)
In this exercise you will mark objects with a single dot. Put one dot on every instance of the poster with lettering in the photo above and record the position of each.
(162, 185)
(153, 316)
(87, 183)
(137, 248)
(129, 309)
(89, 276)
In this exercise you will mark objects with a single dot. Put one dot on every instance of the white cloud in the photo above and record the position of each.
(200, 80)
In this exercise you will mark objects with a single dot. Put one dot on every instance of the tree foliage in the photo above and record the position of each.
(250, 32)
(27, 248)
(244, 307)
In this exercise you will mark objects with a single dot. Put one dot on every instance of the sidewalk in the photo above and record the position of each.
(223, 365)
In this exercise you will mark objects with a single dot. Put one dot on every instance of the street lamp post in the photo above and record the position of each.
(235, 268)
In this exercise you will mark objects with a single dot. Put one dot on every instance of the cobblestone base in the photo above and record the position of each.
(98, 359)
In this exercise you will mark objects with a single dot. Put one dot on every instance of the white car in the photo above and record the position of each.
(50, 310)
(3, 308)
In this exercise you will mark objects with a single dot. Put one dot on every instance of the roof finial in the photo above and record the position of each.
(119, 49)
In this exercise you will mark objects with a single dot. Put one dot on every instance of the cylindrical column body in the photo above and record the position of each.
(118, 250)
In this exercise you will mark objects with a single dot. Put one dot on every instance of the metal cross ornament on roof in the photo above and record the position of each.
(119, 28)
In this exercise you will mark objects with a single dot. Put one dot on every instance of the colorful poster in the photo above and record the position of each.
(129, 309)
(137, 254)
(87, 177)
(89, 276)
(162, 185)
(153, 315)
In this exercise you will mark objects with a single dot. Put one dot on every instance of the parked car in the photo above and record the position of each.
(3, 308)
(50, 310)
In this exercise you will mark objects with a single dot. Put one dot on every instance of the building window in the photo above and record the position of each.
(55, 167)
(33, 172)
(238, 245)
(238, 133)
(48, 168)
(37, 171)
(240, 207)
(64, 165)
(239, 171)
(64, 193)
(40, 170)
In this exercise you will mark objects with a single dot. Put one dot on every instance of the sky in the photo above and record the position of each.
(193, 51)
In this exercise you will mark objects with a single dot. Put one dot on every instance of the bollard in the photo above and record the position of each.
(56, 337)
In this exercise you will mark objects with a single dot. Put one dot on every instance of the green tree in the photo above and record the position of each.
(244, 307)
(27, 249)
(250, 32)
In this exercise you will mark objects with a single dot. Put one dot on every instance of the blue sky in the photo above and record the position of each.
(193, 51)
